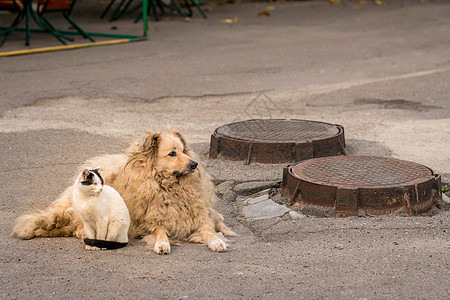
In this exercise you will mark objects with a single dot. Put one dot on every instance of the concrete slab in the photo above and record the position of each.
(261, 208)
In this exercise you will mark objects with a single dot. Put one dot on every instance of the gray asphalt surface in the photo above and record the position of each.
(344, 64)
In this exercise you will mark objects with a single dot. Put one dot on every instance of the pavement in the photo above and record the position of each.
(382, 72)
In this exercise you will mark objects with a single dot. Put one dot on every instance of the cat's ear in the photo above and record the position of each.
(98, 169)
(151, 144)
(85, 173)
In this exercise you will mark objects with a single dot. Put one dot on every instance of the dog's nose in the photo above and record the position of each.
(193, 165)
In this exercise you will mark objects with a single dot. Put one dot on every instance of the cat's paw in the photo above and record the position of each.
(218, 245)
(162, 248)
(87, 247)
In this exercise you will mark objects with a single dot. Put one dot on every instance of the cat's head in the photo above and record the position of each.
(90, 181)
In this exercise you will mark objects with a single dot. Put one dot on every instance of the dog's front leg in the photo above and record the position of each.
(162, 245)
(210, 238)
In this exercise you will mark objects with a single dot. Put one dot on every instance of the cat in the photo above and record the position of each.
(103, 211)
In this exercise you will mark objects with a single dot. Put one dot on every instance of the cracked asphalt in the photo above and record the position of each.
(382, 72)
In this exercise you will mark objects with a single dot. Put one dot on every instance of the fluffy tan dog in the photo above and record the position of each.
(168, 195)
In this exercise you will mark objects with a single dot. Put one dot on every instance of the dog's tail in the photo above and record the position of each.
(57, 220)
(219, 226)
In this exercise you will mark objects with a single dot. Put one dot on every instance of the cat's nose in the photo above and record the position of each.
(193, 165)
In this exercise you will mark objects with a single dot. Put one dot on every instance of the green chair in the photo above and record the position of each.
(64, 6)
(12, 6)
(152, 7)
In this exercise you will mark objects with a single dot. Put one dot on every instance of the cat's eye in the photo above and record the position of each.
(172, 154)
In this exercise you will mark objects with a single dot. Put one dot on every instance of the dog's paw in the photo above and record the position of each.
(218, 245)
(162, 248)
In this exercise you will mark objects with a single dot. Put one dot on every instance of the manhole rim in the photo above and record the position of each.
(402, 197)
(291, 150)
(339, 127)
(432, 174)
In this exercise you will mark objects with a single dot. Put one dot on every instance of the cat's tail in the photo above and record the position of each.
(59, 219)
(109, 245)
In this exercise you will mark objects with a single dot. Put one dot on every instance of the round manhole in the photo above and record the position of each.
(361, 185)
(276, 141)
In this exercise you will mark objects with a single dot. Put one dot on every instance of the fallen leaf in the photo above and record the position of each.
(226, 21)
(229, 21)
(270, 8)
(263, 14)
(207, 9)
(335, 1)
(380, 2)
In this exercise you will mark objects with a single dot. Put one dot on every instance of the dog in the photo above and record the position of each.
(167, 191)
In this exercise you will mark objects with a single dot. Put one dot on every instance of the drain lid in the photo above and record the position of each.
(361, 185)
(276, 141)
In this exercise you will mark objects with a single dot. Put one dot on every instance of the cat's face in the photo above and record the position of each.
(90, 182)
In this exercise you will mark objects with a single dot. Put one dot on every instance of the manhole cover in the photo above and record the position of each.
(361, 185)
(276, 141)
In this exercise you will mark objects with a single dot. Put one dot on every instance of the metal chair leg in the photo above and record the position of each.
(124, 10)
(27, 24)
(78, 28)
(11, 28)
(188, 6)
(116, 11)
(44, 23)
(107, 9)
(178, 8)
(200, 10)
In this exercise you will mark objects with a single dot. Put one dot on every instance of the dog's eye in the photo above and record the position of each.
(173, 153)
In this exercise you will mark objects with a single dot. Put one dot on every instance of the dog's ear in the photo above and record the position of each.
(183, 141)
(151, 144)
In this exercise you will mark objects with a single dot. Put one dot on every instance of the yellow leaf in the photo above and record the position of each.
(235, 19)
(226, 21)
(270, 8)
(263, 14)
(380, 2)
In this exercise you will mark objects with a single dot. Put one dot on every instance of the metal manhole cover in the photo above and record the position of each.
(361, 185)
(276, 141)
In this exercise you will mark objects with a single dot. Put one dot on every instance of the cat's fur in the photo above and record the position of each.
(104, 214)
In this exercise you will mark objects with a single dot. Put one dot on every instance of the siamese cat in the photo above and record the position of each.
(104, 214)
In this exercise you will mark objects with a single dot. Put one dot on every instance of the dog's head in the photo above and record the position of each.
(169, 153)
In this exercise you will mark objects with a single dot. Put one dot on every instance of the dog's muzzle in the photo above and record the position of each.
(192, 166)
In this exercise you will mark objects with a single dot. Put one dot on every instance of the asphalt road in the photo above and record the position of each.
(382, 72)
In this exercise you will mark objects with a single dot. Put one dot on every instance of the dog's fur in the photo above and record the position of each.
(168, 196)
